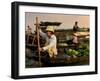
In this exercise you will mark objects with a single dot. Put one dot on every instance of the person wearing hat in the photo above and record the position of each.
(51, 41)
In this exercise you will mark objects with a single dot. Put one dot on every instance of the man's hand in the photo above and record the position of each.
(41, 49)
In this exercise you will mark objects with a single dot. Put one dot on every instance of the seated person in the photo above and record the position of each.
(74, 41)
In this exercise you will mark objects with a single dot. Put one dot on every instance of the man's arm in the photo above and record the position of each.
(42, 34)
(51, 44)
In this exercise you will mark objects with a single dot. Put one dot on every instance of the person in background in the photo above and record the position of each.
(75, 39)
(28, 34)
(76, 27)
(28, 30)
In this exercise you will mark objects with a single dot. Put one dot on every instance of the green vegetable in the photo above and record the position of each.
(72, 52)
(83, 50)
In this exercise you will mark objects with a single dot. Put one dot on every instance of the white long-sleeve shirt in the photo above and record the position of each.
(50, 43)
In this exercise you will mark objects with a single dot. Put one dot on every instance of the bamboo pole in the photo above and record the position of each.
(37, 30)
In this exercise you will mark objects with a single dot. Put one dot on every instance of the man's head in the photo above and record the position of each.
(76, 23)
(50, 31)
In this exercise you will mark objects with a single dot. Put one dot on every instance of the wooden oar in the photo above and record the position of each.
(37, 30)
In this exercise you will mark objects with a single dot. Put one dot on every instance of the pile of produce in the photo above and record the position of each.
(71, 52)
(83, 50)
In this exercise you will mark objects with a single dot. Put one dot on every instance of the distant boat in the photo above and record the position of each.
(50, 23)
(82, 33)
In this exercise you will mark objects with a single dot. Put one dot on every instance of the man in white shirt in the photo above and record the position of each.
(51, 41)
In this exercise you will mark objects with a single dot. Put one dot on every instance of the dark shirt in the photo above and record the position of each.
(75, 28)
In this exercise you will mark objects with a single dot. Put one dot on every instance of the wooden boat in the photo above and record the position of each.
(60, 60)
